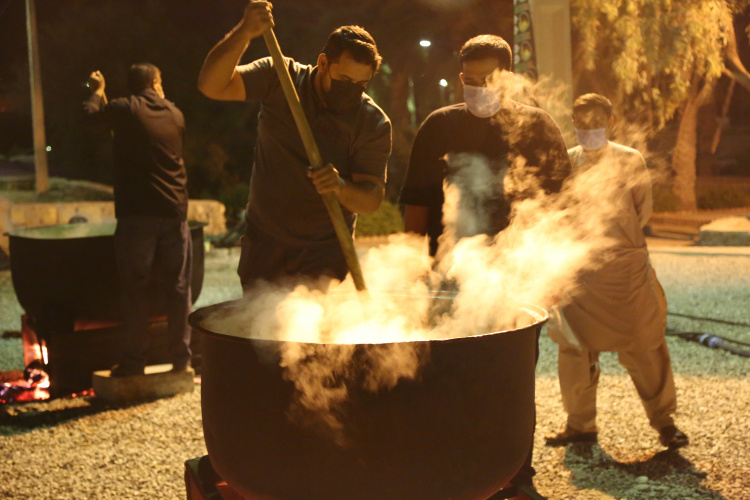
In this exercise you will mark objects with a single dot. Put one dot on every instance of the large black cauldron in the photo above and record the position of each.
(460, 430)
(69, 271)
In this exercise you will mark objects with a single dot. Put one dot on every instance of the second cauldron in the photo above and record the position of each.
(69, 271)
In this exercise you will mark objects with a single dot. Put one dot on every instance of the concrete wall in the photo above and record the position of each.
(21, 215)
(550, 21)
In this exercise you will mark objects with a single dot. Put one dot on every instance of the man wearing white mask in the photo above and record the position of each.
(521, 147)
(620, 306)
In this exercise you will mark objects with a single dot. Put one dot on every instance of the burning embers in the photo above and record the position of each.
(33, 383)
(34, 386)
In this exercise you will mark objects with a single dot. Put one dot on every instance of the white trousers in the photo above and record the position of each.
(651, 372)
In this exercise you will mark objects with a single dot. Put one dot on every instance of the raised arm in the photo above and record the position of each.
(219, 78)
(95, 109)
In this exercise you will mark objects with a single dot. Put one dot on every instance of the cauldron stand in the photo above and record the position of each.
(203, 483)
(77, 350)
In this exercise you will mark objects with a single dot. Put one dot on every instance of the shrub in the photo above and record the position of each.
(708, 197)
(235, 201)
(386, 220)
(712, 197)
(664, 199)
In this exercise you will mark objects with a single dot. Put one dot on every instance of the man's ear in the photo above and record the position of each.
(610, 125)
(461, 76)
(322, 61)
(157, 86)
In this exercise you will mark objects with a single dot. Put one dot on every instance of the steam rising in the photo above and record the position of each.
(534, 261)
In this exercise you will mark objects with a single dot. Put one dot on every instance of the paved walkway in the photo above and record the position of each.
(684, 238)
(695, 219)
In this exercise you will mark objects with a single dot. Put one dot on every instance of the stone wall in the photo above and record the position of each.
(726, 232)
(22, 215)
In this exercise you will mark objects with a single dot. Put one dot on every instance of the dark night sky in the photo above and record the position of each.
(12, 37)
(70, 33)
(79, 36)
(191, 16)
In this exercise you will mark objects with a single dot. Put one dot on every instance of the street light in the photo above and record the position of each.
(443, 82)
(425, 43)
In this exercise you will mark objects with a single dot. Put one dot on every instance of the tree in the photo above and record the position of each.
(658, 60)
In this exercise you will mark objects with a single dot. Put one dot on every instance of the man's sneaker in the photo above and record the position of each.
(672, 437)
(570, 435)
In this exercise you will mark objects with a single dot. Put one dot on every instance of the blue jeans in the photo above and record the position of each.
(141, 245)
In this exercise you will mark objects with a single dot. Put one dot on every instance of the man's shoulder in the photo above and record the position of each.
(446, 118)
(266, 64)
(122, 102)
(530, 115)
(575, 150)
(451, 111)
(298, 68)
(373, 113)
(627, 156)
(126, 105)
(621, 149)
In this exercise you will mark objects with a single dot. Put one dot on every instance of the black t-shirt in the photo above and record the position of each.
(521, 145)
(283, 202)
(150, 177)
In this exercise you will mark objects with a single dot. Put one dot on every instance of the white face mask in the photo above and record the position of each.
(592, 139)
(482, 102)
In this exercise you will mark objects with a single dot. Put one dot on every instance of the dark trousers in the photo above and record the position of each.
(143, 244)
(263, 257)
(527, 472)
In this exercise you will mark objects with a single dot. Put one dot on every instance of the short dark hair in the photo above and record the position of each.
(486, 47)
(357, 42)
(591, 102)
(141, 76)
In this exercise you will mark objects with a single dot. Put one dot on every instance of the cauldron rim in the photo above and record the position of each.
(29, 232)
(539, 315)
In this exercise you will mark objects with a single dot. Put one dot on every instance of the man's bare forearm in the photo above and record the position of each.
(362, 197)
(361, 194)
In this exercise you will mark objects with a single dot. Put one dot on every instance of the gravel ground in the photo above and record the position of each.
(83, 449)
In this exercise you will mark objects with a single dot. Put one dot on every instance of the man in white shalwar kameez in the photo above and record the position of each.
(620, 306)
